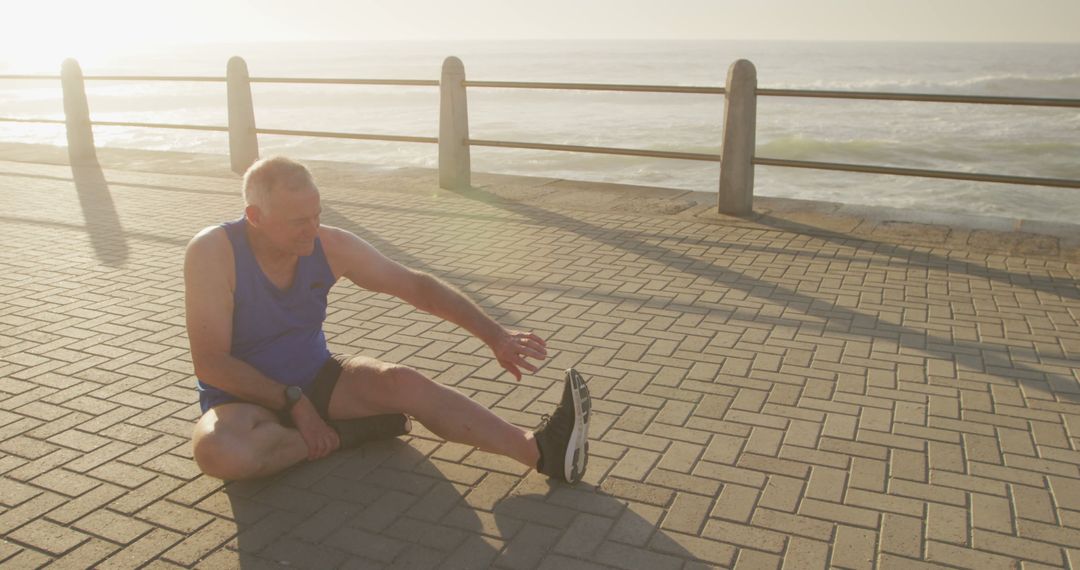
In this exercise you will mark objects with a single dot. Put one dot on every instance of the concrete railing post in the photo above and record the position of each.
(80, 133)
(243, 142)
(454, 163)
(737, 154)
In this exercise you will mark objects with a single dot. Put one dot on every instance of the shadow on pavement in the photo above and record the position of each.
(387, 505)
(102, 221)
(991, 359)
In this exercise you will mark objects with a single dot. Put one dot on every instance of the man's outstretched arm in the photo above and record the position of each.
(367, 267)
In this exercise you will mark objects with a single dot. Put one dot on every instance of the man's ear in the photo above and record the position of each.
(253, 214)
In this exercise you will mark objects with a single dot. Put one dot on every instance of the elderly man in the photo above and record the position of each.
(273, 395)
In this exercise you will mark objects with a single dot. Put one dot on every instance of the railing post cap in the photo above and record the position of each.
(237, 63)
(743, 67)
(453, 64)
(70, 65)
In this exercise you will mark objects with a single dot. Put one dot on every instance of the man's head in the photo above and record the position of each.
(282, 204)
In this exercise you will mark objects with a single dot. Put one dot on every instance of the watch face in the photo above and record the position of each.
(293, 393)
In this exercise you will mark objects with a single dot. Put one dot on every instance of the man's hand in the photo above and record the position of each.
(320, 438)
(512, 347)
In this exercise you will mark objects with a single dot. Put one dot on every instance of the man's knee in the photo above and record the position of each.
(398, 384)
(221, 454)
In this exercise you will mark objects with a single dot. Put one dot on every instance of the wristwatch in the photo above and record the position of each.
(292, 396)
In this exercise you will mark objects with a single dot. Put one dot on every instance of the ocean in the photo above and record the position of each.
(1027, 141)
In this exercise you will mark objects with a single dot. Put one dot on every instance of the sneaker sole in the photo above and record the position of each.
(577, 453)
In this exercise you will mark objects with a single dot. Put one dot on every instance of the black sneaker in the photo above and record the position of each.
(563, 437)
(356, 431)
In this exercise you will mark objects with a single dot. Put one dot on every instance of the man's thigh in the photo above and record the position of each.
(234, 420)
(366, 387)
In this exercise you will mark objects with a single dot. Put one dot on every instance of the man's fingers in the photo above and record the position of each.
(531, 339)
(326, 445)
(531, 352)
(525, 364)
(332, 441)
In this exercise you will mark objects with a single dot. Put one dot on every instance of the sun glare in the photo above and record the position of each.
(41, 35)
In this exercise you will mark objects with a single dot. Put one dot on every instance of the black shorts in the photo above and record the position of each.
(319, 390)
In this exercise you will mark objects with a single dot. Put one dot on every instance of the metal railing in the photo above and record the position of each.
(221, 128)
(454, 142)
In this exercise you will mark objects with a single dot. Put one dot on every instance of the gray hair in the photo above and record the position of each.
(269, 174)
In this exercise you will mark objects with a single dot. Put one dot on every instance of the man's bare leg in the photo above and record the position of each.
(243, 441)
(370, 387)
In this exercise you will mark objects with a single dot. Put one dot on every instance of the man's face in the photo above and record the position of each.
(292, 220)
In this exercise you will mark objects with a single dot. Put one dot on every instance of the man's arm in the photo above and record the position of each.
(208, 297)
(365, 266)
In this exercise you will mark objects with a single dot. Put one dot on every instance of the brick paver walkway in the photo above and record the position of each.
(764, 398)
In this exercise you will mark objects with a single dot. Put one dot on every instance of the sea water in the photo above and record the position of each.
(993, 139)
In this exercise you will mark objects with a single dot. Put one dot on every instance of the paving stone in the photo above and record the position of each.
(805, 553)
(782, 493)
(694, 548)
(527, 547)
(12, 493)
(87, 555)
(91, 501)
(114, 527)
(584, 535)
(622, 556)
(901, 535)
(143, 550)
(946, 523)
(48, 536)
(637, 524)
(745, 535)
(854, 548)
(1016, 547)
(27, 511)
(476, 552)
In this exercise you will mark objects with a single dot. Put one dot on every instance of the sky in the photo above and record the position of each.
(52, 29)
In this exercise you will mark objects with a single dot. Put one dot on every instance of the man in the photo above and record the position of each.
(272, 395)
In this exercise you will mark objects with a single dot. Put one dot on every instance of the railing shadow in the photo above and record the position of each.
(908, 255)
(467, 283)
(99, 212)
(387, 503)
(988, 359)
(333, 217)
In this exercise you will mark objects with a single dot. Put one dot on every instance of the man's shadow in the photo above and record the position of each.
(420, 504)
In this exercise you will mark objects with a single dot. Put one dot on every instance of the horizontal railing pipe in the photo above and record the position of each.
(923, 97)
(597, 87)
(30, 77)
(353, 136)
(159, 126)
(598, 150)
(211, 79)
(331, 81)
(921, 173)
(46, 121)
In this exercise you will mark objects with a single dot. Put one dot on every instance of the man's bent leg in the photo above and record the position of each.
(370, 387)
(244, 441)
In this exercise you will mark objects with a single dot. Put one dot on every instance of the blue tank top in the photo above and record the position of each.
(279, 332)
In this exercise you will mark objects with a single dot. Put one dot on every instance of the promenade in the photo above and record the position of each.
(810, 387)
